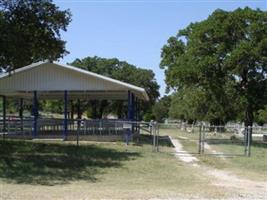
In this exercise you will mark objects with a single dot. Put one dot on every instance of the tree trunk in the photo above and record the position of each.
(94, 110)
(103, 105)
(248, 123)
(72, 110)
(79, 111)
(119, 109)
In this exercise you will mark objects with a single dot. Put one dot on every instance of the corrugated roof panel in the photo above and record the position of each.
(57, 77)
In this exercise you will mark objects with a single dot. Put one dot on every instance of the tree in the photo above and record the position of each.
(161, 108)
(56, 106)
(261, 116)
(226, 55)
(191, 104)
(30, 32)
(125, 72)
(188, 105)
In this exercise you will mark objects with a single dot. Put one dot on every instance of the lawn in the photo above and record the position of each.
(62, 170)
(253, 167)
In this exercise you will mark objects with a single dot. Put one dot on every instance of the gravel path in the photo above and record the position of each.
(181, 154)
(239, 188)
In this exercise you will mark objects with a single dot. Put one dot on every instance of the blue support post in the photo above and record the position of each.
(131, 106)
(128, 131)
(65, 133)
(35, 114)
(4, 114)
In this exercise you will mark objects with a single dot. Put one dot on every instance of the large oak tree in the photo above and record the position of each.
(30, 32)
(224, 55)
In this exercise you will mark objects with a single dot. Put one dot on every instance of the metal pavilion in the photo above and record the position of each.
(53, 81)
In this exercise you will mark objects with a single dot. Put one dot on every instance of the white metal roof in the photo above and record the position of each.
(51, 79)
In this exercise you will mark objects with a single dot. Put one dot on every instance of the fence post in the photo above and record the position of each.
(203, 142)
(245, 141)
(200, 139)
(78, 134)
(157, 138)
(154, 135)
(249, 141)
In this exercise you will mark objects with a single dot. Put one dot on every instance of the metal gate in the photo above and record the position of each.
(209, 140)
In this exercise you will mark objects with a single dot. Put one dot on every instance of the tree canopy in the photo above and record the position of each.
(161, 108)
(125, 72)
(225, 56)
(261, 116)
(30, 32)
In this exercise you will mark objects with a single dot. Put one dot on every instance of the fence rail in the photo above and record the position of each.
(215, 140)
(76, 129)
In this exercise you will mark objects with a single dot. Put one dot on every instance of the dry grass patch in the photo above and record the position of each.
(61, 170)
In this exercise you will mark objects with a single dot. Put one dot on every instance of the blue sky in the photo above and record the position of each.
(134, 31)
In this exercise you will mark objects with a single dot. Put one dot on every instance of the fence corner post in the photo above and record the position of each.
(200, 139)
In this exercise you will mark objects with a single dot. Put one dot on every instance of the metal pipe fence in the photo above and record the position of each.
(200, 138)
(79, 129)
(215, 140)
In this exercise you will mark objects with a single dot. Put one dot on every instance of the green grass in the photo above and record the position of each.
(97, 170)
(253, 167)
(51, 163)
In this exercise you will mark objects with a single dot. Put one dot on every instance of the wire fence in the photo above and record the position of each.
(196, 139)
(215, 140)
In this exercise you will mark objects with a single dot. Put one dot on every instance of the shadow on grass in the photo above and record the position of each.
(50, 163)
(148, 139)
